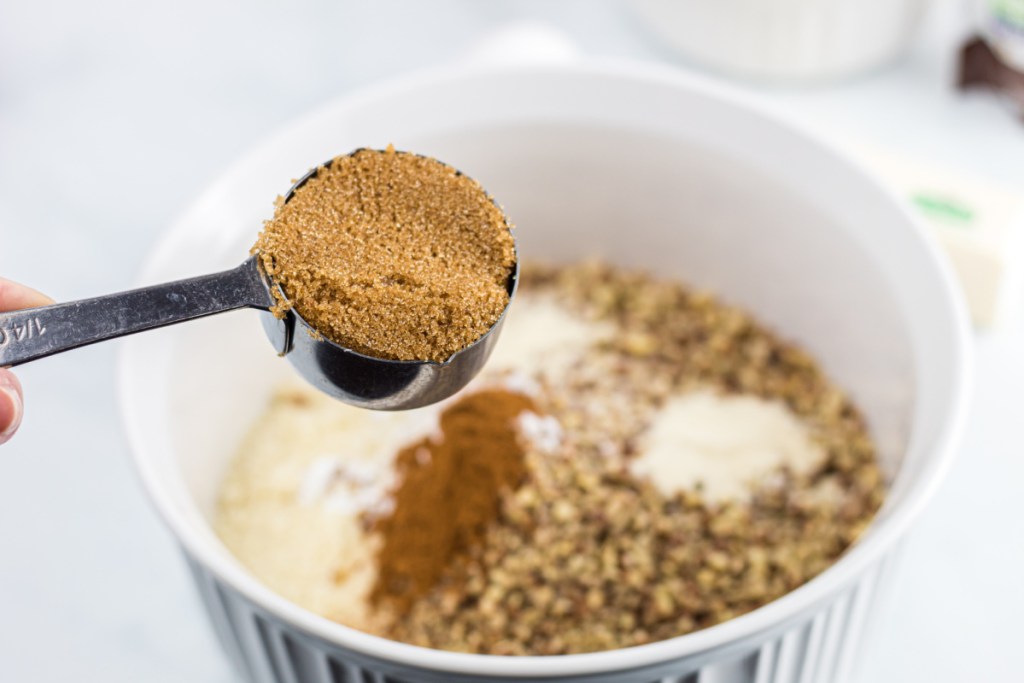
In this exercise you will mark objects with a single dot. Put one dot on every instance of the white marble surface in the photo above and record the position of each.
(113, 115)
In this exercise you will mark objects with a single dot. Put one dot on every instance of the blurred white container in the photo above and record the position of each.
(786, 39)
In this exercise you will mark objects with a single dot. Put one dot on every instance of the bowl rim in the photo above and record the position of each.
(883, 532)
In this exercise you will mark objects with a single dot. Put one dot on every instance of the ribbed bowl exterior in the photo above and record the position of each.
(818, 646)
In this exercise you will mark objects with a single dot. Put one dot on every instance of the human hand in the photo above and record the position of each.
(13, 297)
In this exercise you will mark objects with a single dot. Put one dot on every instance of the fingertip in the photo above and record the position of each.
(14, 296)
(11, 405)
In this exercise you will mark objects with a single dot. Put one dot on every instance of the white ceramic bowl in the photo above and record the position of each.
(648, 169)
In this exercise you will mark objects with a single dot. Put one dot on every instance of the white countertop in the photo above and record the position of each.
(114, 115)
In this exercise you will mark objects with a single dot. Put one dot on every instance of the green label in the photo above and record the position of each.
(945, 210)
(1009, 11)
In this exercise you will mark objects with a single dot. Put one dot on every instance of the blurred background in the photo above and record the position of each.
(115, 115)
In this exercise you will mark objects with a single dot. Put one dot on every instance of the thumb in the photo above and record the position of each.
(14, 296)
(10, 405)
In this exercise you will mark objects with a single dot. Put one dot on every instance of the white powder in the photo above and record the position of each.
(726, 443)
(545, 433)
(521, 383)
(348, 487)
(541, 334)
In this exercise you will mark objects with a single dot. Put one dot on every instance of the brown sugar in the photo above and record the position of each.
(391, 254)
(449, 493)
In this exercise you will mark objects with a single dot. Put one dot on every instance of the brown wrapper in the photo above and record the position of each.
(981, 66)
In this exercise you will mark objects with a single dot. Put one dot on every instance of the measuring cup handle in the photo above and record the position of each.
(33, 333)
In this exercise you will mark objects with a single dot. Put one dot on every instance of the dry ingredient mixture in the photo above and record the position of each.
(391, 254)
(541, 511)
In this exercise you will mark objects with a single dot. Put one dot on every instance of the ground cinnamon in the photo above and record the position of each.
(449, 493)
(391, 254)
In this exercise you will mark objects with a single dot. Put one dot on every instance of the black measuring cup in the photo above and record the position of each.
(352, 377)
